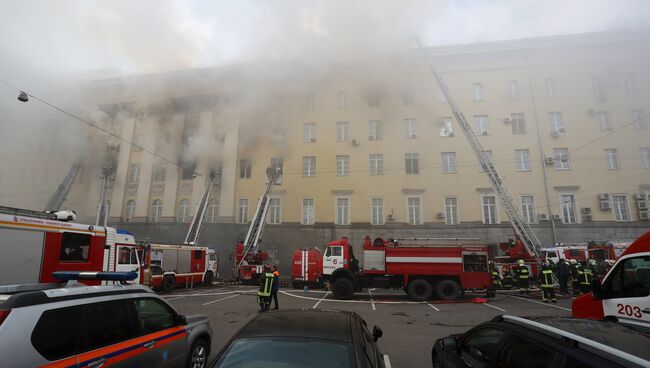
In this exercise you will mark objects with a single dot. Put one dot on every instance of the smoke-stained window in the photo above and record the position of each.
(187, 173)
(275, 211)
(448, 162)
(242, 215)
(212, 212)
(374, 130)
(376, 164)
(342, 100)
(550, 88)
(342, 165)
(277, 164)
(640, 122)
(528, 208)
(412, 163)
(556, 120)
(489, 206)
(605, 121)
(410, 126)
(159, 171)
(130, 210)
(309, 133)
(522, 159)
(156, 210)
(309, 166)
(377, 210)
(343, 211)
(477, 92)
(342, 131)
(481, 125)
(446, 127)
(183, 211)
(134, 173)
(245, 168)
(307, 211)
(561, 159)
(413, 207)
(451, 211)
(518, 124)
(611, 157)
(513, 90)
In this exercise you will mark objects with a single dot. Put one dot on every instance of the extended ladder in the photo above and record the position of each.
(29, 213)
(259, 219)
(520, 225)
(61, 192)
(197, 221)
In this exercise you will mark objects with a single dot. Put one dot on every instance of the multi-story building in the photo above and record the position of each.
(564, 119)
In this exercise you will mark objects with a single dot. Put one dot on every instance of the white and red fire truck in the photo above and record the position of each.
(623, 294)
(35, 244)
(555, 254)
(172, 265)
(421, 267)
(604, 250)
(306, 267)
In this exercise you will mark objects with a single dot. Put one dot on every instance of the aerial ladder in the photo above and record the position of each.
(61, 192)
(521, 227)
(194, 231)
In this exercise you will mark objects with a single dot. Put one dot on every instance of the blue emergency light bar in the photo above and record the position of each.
(103, 276)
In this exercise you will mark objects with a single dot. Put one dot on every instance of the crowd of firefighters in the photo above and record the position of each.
(576, 273)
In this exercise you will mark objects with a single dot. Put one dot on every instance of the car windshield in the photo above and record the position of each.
(286, 352)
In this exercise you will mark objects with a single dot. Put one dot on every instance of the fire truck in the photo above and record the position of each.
(421, 267)
(306, 267)
(251, 264)
(514, 251)
(35, 244)
(601, 251)
(172, 265)
(623, 294)
(555, 254)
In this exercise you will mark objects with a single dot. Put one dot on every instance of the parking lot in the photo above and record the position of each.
(410, 328)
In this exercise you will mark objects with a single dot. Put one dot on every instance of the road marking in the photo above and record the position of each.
(218, 300)
(178, 297)
(372, 302)
(387, 361)
(320, 300)
(437, 310)
(546, 304)
(495, 307)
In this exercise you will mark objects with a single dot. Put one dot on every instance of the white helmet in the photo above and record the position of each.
(592, 262)
(610, 262)
(573, 261)
(520, 262)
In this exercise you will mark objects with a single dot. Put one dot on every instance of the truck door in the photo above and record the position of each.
(332, 259)
(127, 260)
(627, 292)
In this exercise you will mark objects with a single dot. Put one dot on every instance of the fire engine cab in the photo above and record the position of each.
(623, 295)
(421, 267)
(172, 265)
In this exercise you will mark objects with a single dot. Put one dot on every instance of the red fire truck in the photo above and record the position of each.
(514, 251)
(623, 294)
(172, 265)
(306, 267)
(421, 267)
(603, 250)
(251, 265)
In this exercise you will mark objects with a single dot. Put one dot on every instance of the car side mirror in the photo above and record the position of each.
(449, 344)
(181, 320)
(377, 333)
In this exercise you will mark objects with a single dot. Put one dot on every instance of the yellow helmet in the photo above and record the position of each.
(521, 262)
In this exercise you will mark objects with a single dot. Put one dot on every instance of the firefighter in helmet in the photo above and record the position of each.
(585, 277)
(574, 274)
(496, 279)
(264, 294)
(609, 263)
(546, 279)
(522, 277)
(507, 277)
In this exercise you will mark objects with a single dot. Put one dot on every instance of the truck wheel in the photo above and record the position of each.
(419, 290)
(209, 277)
(343, 288)
(448, 290)
(168, 283)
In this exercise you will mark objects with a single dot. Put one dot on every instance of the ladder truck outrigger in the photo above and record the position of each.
(168, 265)
(249, 259)
(524, 234)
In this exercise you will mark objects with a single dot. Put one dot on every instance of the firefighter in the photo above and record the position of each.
(264, 294)
(585, 278)
(608, 265)
(546, 279)
(522, 277)
(574, 276)
(507, 277)
(496, 280)
(275, 288)
(562, 272)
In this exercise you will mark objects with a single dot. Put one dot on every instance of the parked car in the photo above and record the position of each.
(303, 338)
(508, 341)
(97, 326)
(64, 215)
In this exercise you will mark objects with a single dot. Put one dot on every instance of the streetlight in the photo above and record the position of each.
(22, 97)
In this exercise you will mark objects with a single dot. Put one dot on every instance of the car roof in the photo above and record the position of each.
(309, 323)
(597, 337)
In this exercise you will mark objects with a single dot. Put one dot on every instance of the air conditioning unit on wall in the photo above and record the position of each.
(643, 215)
(605, 205)
(587, 218)
(557, 217)
(603, 196)
(640, 196)
(550, 160)
(542, 217)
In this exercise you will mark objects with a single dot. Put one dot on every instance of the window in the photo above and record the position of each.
(243, 211)
(518, 124)
(412, 161)
(309, 166)
(551, 88)
(107, 323)
(481, 126)
(513, 90)
(153, 315)
(374, 130)
(630, 84)
(630, 279)
(409, 128)
(477, 92)
(277, 165)
(407, 98)
(187, 173)
(446, 129)
(212, 212)
(645, 157)
(619, 206)
(557, 122)
(599, 89)
(156, 210)
(342, 211)
(377, 205)
(522, 158)
(342, 165)
(130, 210)
(376, 164)
(605, 120)
(611, 157)
(275, 211)
(56, 333)
(568, 208)
(134, 174)
(448, 162)
(480, 344)
(489, 205)
(451, 211)
(413, 204)
(75, 247)
(309, 133)
(561, 158)
(307, 211)
(522, 353)
(528, 208)
(640, 123)
(127, 256)
(159, 172)
(368, 346)
(342, 131)
(183, 210)
(342, 100)
(488, 153)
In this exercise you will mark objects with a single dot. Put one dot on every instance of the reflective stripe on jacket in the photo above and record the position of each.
(523, 272)
(547, 280)
(266, 284)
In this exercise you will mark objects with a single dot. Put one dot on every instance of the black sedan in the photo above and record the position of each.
(514, 342)
(303, 338)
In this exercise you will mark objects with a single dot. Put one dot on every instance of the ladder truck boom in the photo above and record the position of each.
(61, 192)
(197, 221)
(259, 219)
(521, 227)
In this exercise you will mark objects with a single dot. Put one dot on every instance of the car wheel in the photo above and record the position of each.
(69, 218)
(198, 357)
(209, 277)
(343, 288)
(419, 290)
(448, 290)
(168, 283)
